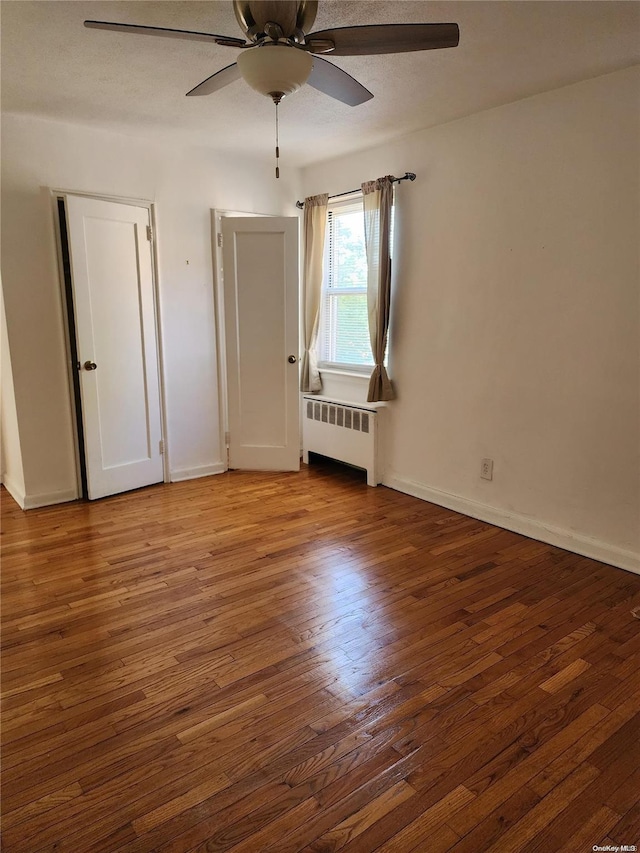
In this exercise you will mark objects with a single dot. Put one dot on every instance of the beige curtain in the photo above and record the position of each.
(378, 199)
(315, 222)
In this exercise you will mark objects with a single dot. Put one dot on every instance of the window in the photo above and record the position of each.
(343, 340)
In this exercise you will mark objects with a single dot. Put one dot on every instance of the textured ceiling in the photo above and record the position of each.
(55, 68)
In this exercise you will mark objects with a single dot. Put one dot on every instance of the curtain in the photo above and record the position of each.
(314, 227)
(378, 199)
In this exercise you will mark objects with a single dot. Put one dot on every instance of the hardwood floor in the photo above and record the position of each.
(257, 662)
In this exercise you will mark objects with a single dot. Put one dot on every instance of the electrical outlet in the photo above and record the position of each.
(486, 469)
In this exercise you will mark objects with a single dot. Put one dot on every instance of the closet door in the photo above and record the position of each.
(260, 260)
(112, 283)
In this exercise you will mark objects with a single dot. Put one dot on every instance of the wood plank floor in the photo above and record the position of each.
(257, 662)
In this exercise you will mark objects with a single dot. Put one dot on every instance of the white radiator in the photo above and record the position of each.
(344, 431)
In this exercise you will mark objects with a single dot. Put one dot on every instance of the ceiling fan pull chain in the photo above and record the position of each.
(277, 144)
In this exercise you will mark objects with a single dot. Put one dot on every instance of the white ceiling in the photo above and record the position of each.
(54, 67)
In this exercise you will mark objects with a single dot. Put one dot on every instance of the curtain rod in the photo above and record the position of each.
(408, 176)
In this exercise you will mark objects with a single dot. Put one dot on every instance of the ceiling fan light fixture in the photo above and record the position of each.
(275, 69)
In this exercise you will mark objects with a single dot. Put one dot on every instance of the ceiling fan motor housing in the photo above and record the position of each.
(293, 17)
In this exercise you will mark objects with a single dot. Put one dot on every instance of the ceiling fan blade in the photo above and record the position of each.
(217, 81)
(385, 38)
(336, 83)
(140, 29)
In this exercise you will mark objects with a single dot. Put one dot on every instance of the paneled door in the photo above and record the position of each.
(113, 300)
(260, 261)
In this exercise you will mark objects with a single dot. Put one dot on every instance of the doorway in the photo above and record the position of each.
(107, 263)
(256, 262)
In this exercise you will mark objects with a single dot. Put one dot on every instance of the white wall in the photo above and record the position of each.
(185, 184)
(515, 313)
(10, 453)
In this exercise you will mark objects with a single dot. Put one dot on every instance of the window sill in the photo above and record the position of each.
(354, 374)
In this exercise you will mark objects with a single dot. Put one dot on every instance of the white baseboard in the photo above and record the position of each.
(50, 498)
(36, 501)
(16, 493)
(531, 527)
(193, 473)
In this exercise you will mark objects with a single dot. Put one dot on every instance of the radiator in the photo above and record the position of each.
(343, 431)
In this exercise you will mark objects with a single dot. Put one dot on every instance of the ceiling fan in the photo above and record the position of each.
(281, 55)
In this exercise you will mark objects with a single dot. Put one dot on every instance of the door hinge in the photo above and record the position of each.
(226, 438)
(161, 446)
(149, 233)
(219, 235)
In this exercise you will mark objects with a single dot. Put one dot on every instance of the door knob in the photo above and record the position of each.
(90, 365)
(292, 359)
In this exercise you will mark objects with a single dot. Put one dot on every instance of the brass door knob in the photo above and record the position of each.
(292, 359)
(90, 365)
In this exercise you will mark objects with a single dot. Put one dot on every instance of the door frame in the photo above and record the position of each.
(217, 214)
(55, 195)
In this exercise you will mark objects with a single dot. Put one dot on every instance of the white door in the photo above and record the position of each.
(111, 271)
(260, 260)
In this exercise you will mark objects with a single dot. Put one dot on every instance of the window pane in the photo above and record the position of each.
(348, 262)
(348, 338)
